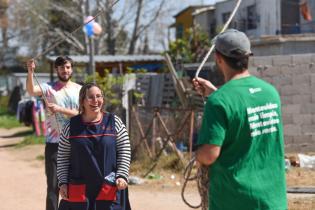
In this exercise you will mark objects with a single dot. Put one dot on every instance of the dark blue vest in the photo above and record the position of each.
(93, 149)
(92, 165)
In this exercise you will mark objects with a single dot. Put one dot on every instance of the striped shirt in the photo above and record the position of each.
(122, 148)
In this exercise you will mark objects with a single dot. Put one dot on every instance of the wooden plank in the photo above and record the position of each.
(180, 90)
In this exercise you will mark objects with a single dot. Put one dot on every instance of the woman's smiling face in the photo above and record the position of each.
(94, 100)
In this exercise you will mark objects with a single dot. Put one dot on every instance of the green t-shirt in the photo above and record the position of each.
(243, 117)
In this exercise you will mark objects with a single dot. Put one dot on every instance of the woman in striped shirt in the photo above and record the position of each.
(93, 157)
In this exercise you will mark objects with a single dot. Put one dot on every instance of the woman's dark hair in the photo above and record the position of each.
(62, 60)
(238, 64)
(82, 95)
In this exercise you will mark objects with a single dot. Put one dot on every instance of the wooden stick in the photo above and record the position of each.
(177, 152)
(143, 136)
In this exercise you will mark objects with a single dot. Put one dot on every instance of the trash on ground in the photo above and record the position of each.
(306, 161)
(134, 180)
(154, 176)
(287, 164)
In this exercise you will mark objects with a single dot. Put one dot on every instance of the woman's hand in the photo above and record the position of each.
(121, 184)
(63, 191)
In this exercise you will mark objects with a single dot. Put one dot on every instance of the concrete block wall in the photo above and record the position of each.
(294, 78)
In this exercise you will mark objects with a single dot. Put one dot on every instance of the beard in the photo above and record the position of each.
(63, 79)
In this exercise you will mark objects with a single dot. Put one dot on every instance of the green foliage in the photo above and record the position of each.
(131, 70)
(143, 163)
(40, 157)
(111, 86)
(30, 140)
(191, 49)
(172, 163)
(181, 48)
(137, 96)
(7, 120)
(4, 100)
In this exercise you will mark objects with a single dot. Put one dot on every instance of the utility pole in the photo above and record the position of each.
(91, 55)
(91, 69)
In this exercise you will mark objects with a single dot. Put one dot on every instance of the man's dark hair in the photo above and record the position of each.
(62, 60)
(238, 64)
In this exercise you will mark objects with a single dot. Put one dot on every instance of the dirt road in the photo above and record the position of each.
(22, 177)
(22, 181)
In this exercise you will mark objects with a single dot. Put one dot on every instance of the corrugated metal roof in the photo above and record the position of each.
(202, 10)
(111, 58)
(189, 7)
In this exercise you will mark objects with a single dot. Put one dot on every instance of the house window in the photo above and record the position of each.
(225, 16)
(212, 30)
(179, 31)
(251, 17)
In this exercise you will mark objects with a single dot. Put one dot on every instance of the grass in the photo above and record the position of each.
(7, 120)
(31, 139)
(168, 164)
(40, 157)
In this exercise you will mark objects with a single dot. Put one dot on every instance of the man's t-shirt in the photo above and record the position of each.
(243, 117)
(67, 97)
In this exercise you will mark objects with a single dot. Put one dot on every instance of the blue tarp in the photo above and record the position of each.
(151, 67)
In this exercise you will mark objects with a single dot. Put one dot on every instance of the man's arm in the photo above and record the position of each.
(207, 154)
(33, 90)
(66, 111)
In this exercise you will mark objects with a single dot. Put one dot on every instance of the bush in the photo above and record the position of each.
(112, 88)
(30, 140)
(7, 120)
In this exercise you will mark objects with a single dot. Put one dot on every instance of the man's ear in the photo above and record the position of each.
(218, 57)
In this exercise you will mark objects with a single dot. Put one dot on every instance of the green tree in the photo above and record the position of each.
(112, 88)
(191, 49)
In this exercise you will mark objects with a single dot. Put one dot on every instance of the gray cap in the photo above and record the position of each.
(233, 43)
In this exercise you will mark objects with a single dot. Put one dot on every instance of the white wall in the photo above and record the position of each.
(294, 78)
(268, 12)
(204, 21)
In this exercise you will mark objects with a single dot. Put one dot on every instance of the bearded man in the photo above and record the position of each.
(62, 102)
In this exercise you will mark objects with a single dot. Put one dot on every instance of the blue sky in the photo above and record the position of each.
(158, 33)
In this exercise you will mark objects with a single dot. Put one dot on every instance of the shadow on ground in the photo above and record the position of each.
(17, 134)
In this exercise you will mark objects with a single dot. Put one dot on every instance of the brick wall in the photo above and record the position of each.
(294, 78)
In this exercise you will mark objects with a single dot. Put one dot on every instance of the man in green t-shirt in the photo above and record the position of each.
(241, 137)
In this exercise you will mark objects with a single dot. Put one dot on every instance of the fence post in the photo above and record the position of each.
(154, 133)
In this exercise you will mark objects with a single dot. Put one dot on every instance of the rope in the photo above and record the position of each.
(213, 45)
(202, 180)
(45, 99)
